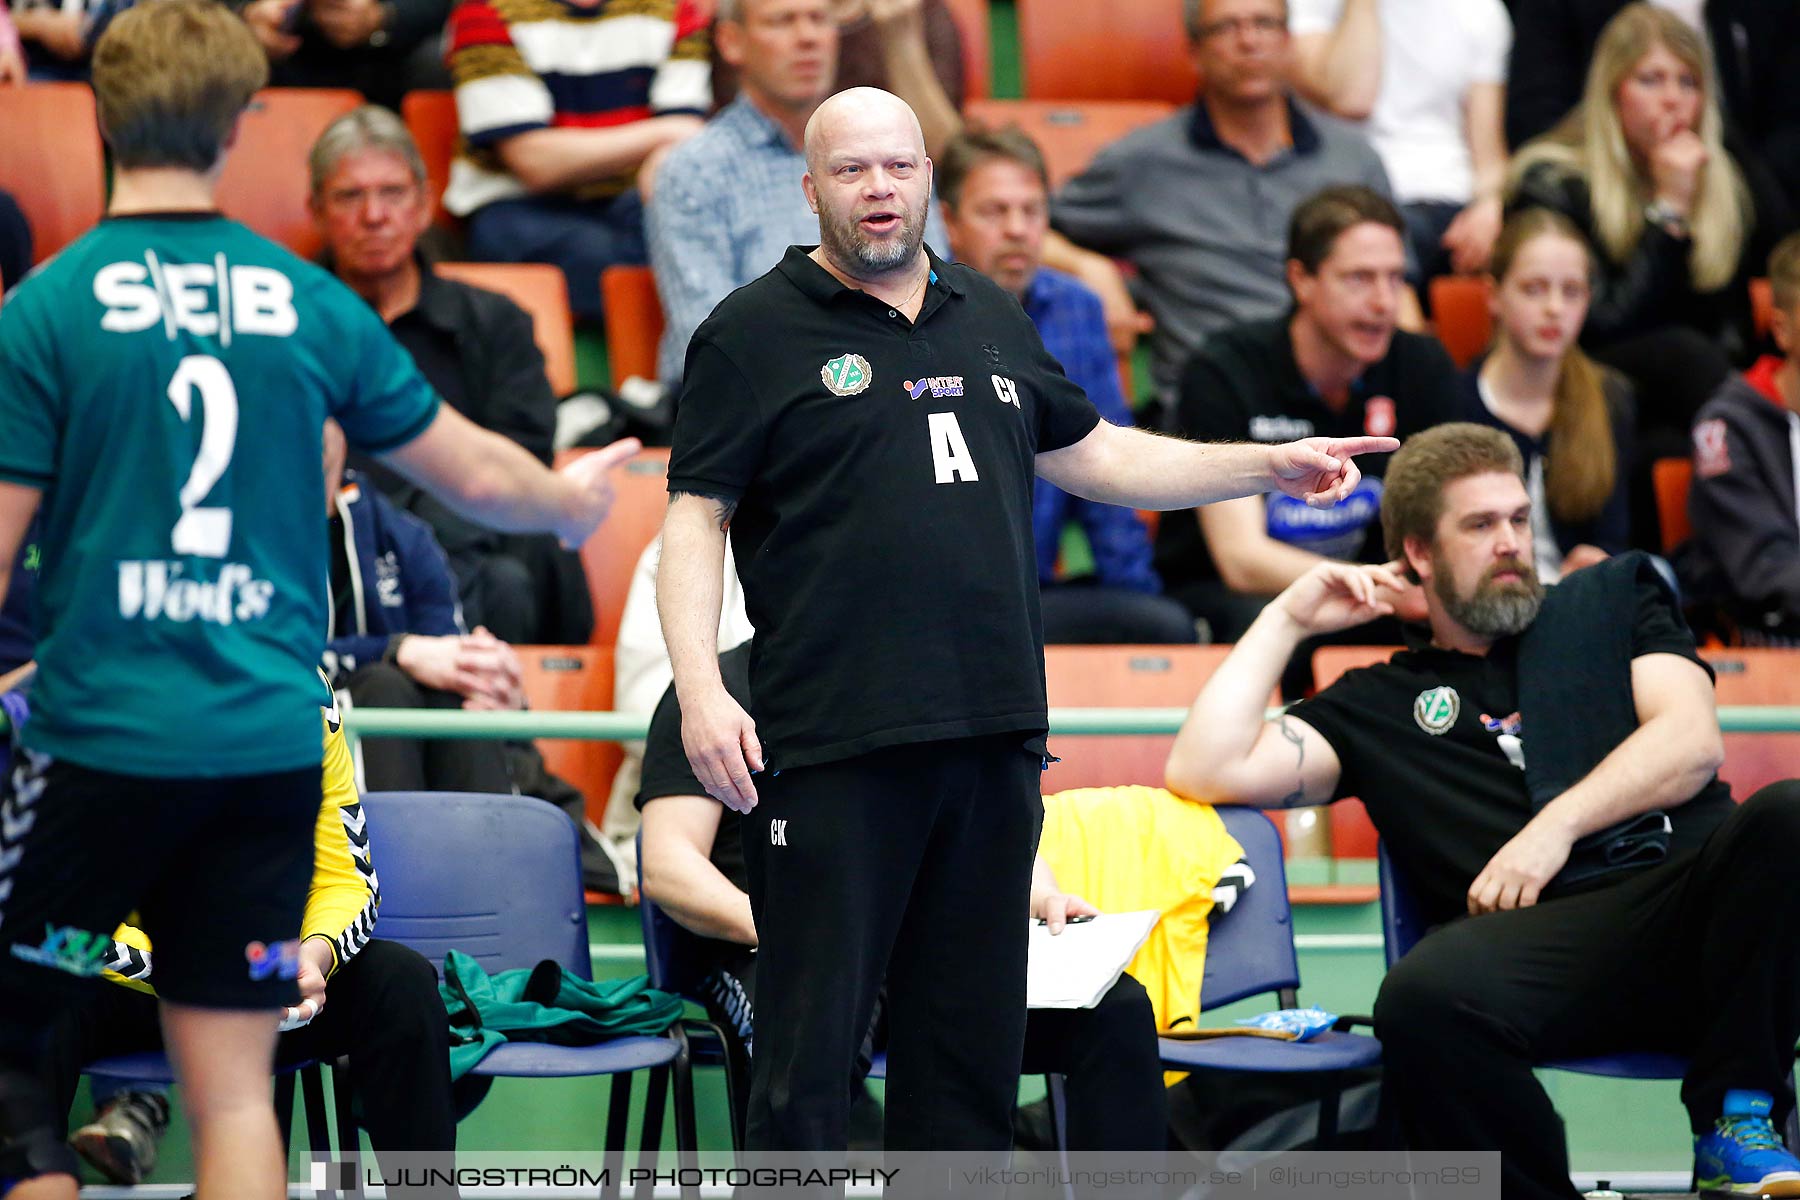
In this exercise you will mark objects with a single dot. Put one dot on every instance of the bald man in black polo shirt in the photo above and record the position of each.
(865, 420)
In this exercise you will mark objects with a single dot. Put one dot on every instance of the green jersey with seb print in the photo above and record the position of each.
(164, 381)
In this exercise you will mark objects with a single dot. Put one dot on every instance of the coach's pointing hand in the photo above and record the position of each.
(1318, 470)
(594, 491)
(721, 745)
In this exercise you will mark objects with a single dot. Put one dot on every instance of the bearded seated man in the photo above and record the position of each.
(1542, 767)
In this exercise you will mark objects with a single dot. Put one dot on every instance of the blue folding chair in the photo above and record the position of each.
(1401, 928)
(499, 878)
(673, 966)
(1250, 952)
(153, 1069)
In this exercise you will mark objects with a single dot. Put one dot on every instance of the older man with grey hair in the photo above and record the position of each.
(476, 347)
(1199, 202)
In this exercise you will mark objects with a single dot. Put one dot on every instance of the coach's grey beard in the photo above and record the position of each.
(845, 242)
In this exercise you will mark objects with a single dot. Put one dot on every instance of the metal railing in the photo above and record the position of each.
(612, 727)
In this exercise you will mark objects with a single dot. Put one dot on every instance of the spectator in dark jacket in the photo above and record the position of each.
(475, 347)
(1572, 421)
(1745, 552)
(381, 48)
(1756, 48)
(1674, 223)
(396, 640)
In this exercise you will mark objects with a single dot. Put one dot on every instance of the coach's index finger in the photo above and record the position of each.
(1350, 447)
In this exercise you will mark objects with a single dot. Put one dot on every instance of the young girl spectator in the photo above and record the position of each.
(1571, 419)
(1669, 215)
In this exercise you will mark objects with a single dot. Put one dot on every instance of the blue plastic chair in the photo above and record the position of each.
(152, 1068)
(499, 878)
(1401, 928)
(1250, 952)
(672, 966)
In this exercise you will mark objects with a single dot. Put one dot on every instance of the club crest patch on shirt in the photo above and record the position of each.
(847, 375)
(1712, 452)
(1436, 710)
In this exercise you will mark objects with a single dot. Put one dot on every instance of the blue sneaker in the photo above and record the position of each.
(1742, 1156)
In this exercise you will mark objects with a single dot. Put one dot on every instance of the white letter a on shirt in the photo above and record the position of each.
(949, 453)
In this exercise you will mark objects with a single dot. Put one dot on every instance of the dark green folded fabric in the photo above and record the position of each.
(544, 1004)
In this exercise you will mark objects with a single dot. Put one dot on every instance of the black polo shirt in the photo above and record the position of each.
(1433, 766)
(1244, 385)
(883, 474)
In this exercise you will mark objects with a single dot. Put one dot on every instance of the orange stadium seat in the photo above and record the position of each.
(264, 183)
(610, 556)
(1671, 478)
(634, 321)
(973, 27)
(1762, 304)
(1070, 133)
(1352, 834)
(541, 291)
(1757, 676)
(430, 117)
(51, 162)
(1459, 310)
(1120, 677)
(1121, 50)
(574, 679)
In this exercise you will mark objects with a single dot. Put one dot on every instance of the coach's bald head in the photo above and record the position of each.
(869, 180)
(858, 113)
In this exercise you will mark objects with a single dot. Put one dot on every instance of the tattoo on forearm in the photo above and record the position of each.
(1298, 796)
(723, 510)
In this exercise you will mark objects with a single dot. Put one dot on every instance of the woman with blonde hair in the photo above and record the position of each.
(1640, 167)
(1572, 420)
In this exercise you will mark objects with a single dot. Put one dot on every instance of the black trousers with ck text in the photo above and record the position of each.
(1699, 957)
(912, 864)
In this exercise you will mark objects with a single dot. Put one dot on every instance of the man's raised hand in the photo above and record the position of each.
(1338, 595)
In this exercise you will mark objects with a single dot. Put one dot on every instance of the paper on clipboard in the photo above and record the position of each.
(1074, 968)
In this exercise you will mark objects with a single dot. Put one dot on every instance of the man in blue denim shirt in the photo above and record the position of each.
(996, 199)
(727, 202)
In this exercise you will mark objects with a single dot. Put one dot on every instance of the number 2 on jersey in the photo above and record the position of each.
(205, 532)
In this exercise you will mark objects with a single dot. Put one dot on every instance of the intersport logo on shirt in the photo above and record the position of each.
(939, 386)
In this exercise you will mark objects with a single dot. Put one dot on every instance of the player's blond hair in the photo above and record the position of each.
(170, 79)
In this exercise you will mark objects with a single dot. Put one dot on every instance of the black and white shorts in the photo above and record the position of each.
(217, 871)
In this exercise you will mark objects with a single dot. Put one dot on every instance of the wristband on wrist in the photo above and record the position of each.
(1659, 213)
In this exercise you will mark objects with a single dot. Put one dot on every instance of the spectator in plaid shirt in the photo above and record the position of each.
(564, 108)
(996, 197)
(728, 203)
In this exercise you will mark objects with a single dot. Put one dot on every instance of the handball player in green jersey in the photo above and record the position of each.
(163, 386)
